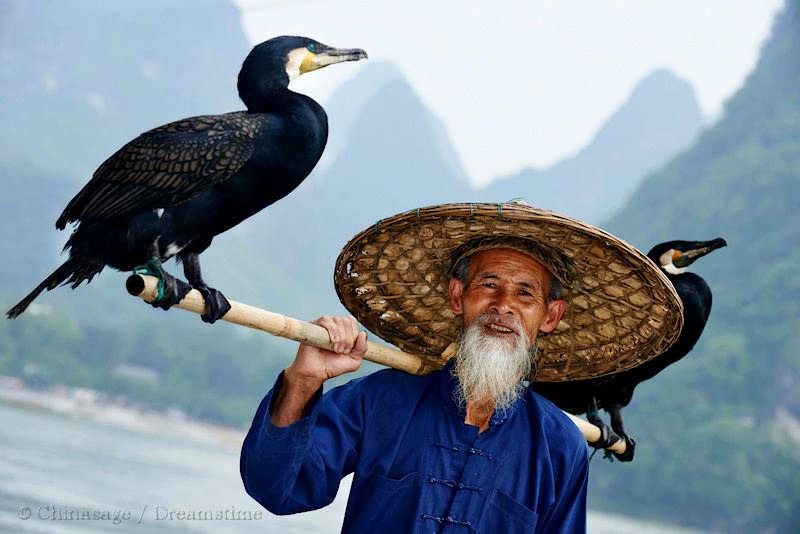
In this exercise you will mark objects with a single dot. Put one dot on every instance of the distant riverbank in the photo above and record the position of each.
(101, 408)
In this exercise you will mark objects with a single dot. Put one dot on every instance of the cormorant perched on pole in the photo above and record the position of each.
(614, 392)
(172, 189)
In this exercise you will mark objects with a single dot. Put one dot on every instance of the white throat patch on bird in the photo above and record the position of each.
(295, 61)
(666, 262)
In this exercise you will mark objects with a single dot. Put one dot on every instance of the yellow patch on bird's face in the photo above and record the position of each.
(309, 63)
(299, 61)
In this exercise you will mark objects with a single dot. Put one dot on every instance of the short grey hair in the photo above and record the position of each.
(460, 269)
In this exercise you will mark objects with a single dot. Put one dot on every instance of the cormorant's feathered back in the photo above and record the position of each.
(166, 166)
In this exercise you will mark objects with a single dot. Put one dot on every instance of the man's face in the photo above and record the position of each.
(510, 286)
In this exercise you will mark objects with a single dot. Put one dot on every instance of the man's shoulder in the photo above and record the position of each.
(558, 428)
(387, 380)
(383, 392)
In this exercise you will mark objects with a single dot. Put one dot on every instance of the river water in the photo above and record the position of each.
(65, 474)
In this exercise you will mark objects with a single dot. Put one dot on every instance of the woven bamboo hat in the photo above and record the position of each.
(622, 310)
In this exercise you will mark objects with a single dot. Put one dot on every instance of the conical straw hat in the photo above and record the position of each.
(622, 310)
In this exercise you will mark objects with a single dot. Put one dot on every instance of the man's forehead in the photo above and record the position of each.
(507, 261)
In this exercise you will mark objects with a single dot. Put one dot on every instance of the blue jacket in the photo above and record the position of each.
(418, 467)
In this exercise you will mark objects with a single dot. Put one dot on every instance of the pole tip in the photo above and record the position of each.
(135, 285)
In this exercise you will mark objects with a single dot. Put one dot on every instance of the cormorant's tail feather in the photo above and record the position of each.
(71, 272)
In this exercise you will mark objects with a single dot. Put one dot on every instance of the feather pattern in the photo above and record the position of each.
(166, 166)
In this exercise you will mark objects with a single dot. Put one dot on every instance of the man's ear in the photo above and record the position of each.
(456, 293)
(555, 309)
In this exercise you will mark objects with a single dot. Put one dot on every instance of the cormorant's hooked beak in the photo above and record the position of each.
(688, 257)
(329, 56)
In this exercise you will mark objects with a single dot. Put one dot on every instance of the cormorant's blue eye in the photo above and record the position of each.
(311, 47)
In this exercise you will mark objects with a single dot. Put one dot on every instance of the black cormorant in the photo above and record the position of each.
(172, 189)
(613, 392)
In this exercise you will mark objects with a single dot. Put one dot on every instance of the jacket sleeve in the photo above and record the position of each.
(298, 468)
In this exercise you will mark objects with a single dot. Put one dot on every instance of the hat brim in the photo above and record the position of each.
(622, 310)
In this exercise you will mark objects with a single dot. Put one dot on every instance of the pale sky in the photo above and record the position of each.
(527, 83)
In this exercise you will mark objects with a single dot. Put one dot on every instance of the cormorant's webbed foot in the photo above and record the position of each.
(630, 449)
(615, 411)
(216, 304)
(170, 289)
(607, 436)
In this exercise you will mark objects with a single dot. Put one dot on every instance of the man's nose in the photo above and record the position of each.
(501, 303)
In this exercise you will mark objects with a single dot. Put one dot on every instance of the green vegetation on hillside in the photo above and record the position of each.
(711, 452)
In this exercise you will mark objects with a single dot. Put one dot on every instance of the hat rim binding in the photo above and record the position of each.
(620, 299)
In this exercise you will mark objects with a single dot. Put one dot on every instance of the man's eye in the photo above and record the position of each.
(489, 284)
(524, 293)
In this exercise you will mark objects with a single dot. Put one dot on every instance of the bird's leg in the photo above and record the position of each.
(216, 303)
(615, 411)
(170, 290)
(607, 436)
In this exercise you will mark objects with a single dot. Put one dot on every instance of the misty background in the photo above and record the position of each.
(656, 122)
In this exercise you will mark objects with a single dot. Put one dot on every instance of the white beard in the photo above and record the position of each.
(491, 367)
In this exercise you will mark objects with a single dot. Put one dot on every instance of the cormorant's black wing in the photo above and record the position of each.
(166, 166)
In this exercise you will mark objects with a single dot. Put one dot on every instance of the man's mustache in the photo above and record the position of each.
(507, 321)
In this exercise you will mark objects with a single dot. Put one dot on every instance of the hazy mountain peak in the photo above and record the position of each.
(659, 80)
(351, 95)
(348, 100)
(659, 100)
(660, 117)
(378, 111)
(401, 138)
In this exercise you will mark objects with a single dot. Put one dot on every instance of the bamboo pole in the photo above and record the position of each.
(145, 287)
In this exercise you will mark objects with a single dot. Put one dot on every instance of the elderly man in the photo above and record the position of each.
(465, 448)
(494, 293)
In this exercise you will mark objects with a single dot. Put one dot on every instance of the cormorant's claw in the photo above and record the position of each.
(630, 449)
(216, 304)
